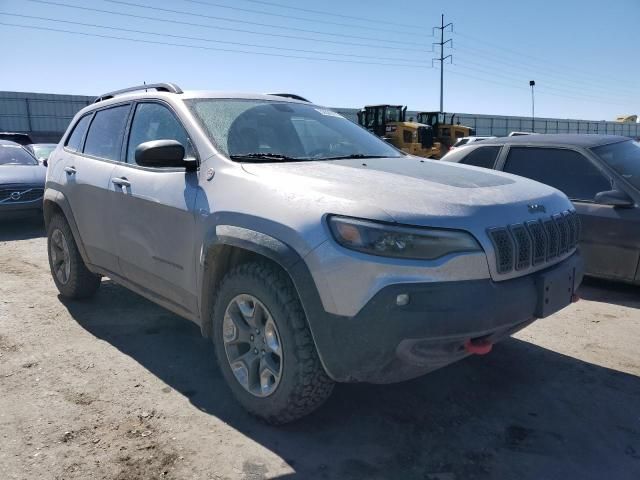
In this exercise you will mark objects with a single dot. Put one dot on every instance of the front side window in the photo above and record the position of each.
(75, 139)
(484, 157)
(260, 129)
(15, 155)
(104, 139)
(566, 170)
(624, 158)
(153, 121)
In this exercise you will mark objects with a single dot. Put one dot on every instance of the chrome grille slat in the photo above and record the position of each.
(539, 238)
(563, 228)
(504, 248)
(524, 245)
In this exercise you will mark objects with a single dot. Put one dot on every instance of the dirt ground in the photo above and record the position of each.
(118, 388)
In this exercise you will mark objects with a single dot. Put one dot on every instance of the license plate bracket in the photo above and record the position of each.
(555, 290)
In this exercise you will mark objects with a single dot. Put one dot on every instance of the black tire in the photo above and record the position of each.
(80, 282)
(303, 385)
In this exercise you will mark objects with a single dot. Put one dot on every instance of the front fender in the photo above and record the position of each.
(266, 246)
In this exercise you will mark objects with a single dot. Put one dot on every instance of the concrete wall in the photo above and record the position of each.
(46, 116)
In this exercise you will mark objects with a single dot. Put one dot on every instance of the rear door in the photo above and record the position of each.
(154, 211)
(92, 150)
(605, 243)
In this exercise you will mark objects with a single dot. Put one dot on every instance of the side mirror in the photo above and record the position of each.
(615, 198)
(161, 153)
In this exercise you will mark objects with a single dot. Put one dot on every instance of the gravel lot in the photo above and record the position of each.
(118, 388)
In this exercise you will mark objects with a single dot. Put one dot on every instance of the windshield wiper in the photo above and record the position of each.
(266, 157)
(353, 155)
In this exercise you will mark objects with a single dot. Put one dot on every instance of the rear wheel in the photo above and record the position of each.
(70, 274)
(264, 347)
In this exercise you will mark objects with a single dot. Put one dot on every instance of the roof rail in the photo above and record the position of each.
(159, 87)
(290, 95)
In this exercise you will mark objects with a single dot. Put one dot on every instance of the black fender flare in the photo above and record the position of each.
(273, 249)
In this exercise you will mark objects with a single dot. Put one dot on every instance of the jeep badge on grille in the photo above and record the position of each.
(536, 208)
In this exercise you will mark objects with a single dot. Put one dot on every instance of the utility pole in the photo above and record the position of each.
(532, 83)
(442, 58)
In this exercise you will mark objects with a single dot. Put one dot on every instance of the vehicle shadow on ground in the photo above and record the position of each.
(21, 228)
(605, 291)
(521, 412)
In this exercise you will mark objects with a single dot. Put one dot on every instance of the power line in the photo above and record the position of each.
(202, 39)
(522, 87)
(566, 78)
(213, 27)
(246, 22)
(532, 57)
(282, 15)
(519, 77)
(332, 14)
(202, 47)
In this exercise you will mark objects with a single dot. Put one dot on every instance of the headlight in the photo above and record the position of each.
(399, 241)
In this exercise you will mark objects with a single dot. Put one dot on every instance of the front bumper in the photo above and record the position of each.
(17, 209)
(387, 343)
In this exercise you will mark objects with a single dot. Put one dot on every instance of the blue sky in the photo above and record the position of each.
(581, 53)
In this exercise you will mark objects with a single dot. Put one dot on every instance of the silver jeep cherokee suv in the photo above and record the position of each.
(310, 251)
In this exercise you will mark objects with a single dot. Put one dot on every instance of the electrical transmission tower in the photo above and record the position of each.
(442, 58)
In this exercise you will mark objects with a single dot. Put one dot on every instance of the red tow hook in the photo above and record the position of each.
(478, 346)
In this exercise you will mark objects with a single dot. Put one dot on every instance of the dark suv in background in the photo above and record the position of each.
(601, 176)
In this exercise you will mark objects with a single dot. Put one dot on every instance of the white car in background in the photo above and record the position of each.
(467, 140)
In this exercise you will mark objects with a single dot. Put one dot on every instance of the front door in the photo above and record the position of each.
(154, 217)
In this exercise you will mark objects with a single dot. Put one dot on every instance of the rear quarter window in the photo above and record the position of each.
(75, 139)
(482, 157)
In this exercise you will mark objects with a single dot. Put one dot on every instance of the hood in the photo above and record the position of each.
(418, 191)
(22, 174)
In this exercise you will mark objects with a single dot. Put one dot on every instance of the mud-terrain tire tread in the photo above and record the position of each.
(82, 283)
(311, 385)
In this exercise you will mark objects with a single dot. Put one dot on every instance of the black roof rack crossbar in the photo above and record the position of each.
(290, 95)
(159, 87)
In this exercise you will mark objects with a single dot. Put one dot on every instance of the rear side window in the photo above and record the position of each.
(462, 141)
(104, 139)
(482, 157)
(566, 170)
(75, 139)
(153, 121)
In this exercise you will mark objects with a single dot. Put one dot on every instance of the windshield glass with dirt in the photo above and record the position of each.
(624, 158)
(259, 130)
(15, 155)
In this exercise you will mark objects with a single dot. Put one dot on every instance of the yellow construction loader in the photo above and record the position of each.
(389, 123)
(446, 131)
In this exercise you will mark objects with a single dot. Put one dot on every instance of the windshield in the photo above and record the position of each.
(624, 158)
(43, 150)
(15, 155)
(248, 130)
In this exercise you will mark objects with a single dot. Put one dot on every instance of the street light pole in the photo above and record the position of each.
(532, 83)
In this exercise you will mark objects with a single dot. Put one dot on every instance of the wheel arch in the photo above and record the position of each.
(230, 246)
(55, 201)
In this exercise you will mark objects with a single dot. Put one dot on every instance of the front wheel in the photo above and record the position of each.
(264, 347)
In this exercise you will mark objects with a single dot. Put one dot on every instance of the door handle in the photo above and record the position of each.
(70, 170)
(121, 182)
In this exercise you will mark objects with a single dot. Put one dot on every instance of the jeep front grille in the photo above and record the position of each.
(533, 243)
